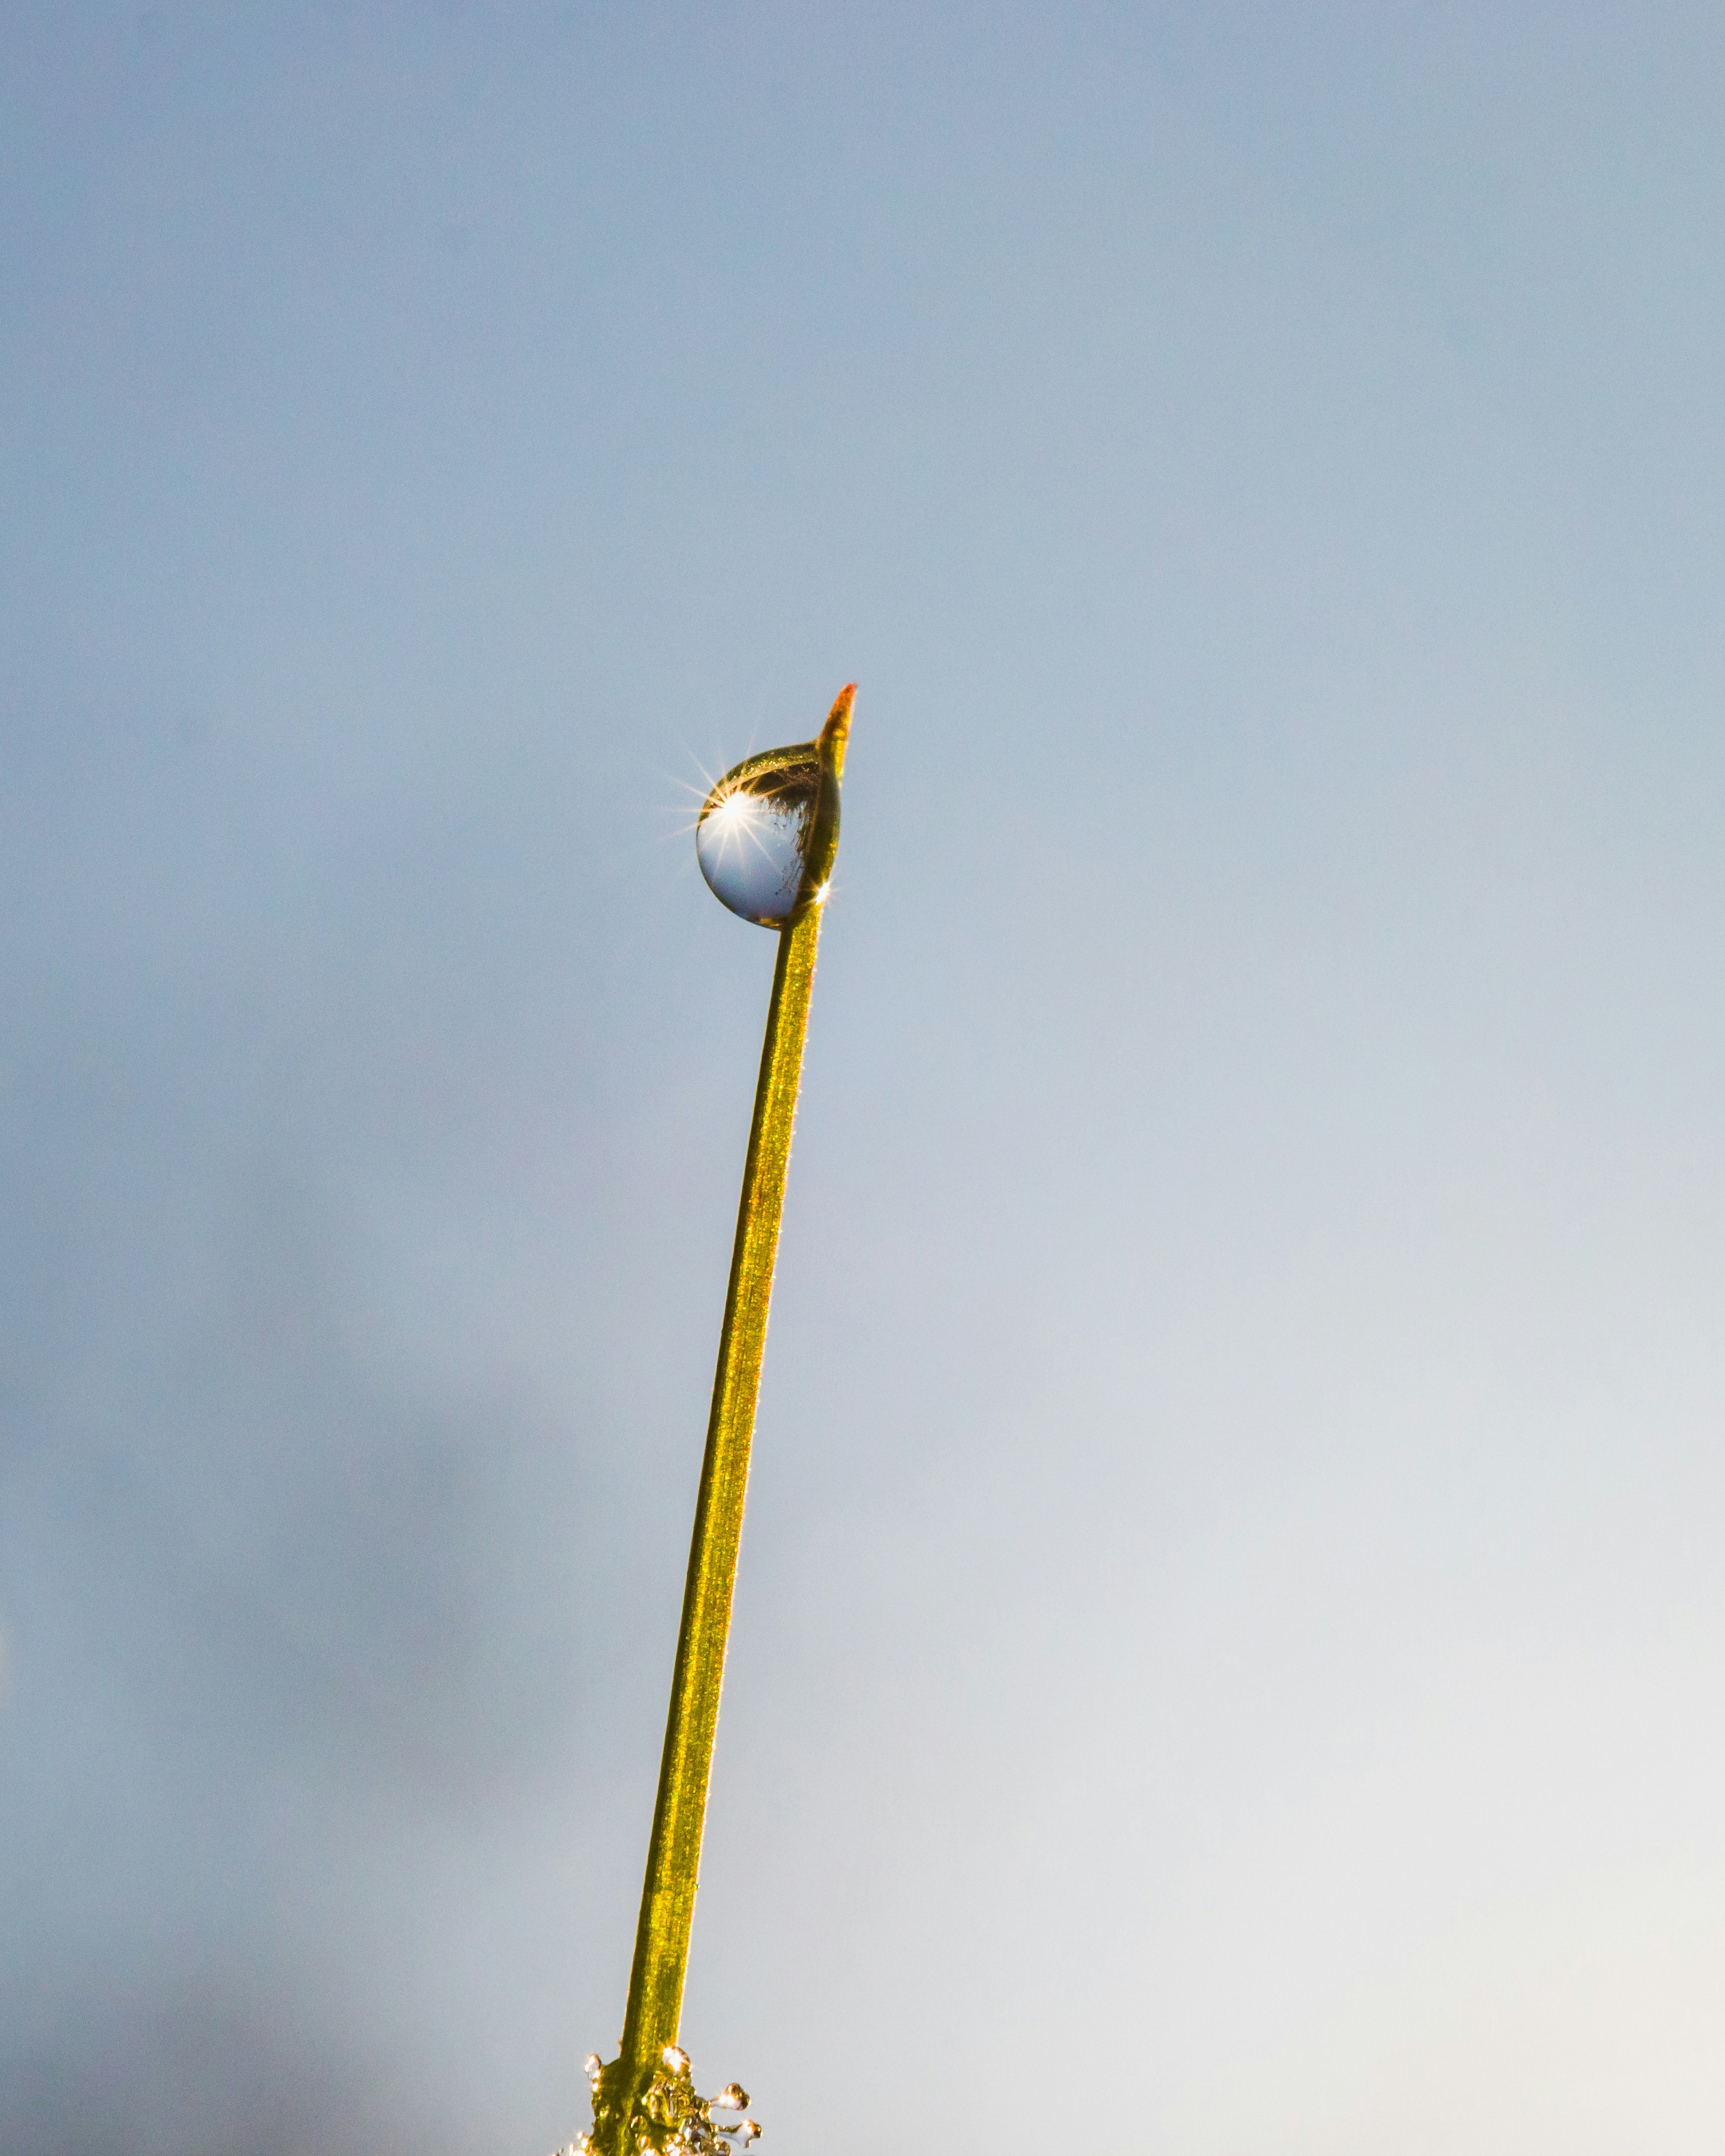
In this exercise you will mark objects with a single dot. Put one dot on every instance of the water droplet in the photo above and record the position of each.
(676, 2060)
(732, 2097)
(754, 834)
(766, 834)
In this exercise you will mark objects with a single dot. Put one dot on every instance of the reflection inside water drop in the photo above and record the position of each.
(751, 837)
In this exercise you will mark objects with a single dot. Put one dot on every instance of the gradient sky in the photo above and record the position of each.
(1229, 1645)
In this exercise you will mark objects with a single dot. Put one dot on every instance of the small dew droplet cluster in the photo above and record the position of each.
(670, 2119)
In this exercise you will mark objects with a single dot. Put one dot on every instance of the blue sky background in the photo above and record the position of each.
(1229, 1642)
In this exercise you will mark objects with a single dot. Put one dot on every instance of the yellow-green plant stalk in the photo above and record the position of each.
(768, 835)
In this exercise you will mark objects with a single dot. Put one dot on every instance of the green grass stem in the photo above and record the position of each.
(662, 1955)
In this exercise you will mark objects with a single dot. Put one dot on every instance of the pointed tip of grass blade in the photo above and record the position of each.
(836, 732)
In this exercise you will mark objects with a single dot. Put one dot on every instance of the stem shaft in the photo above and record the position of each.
(655, 1986)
